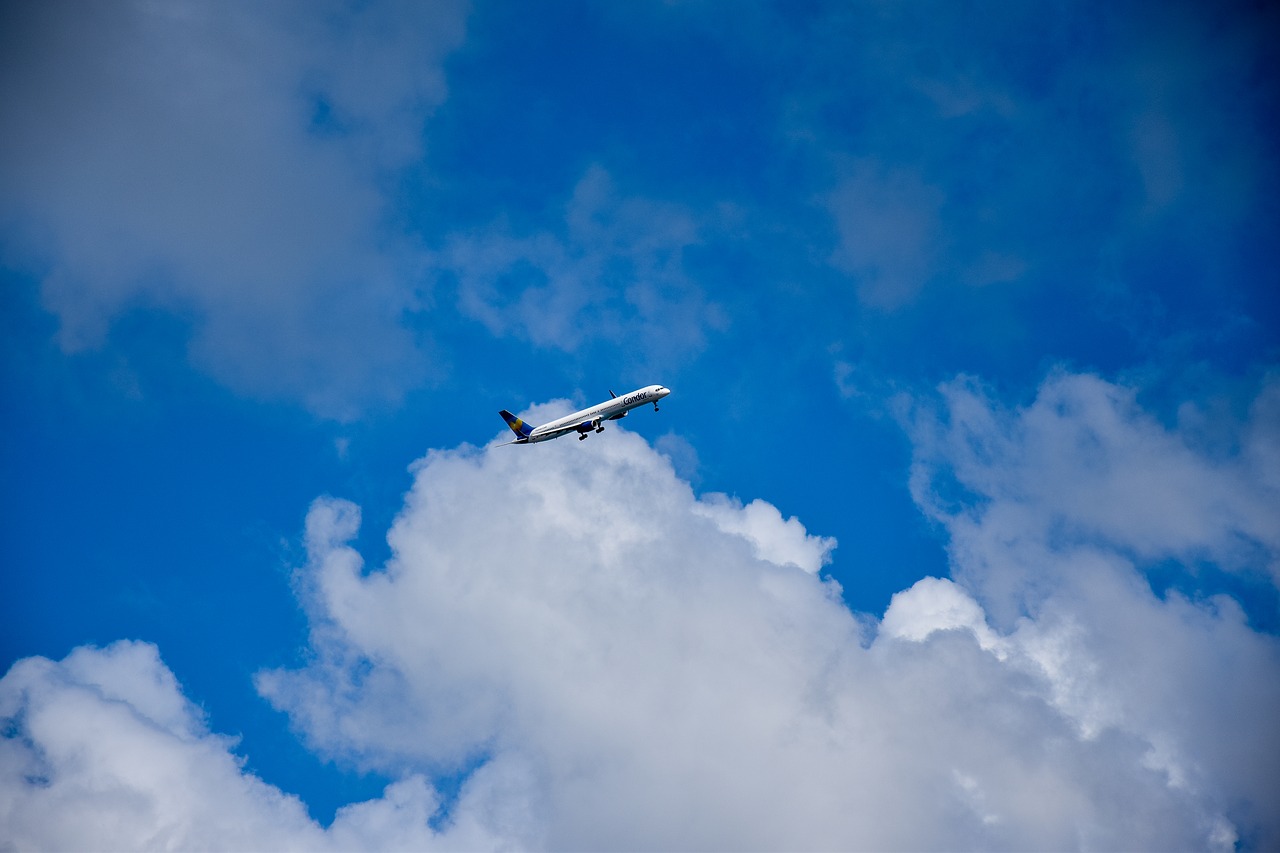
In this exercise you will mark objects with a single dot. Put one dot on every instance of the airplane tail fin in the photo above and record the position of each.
(519, 427)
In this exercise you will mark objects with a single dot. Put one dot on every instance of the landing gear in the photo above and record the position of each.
(655, 407)
(599, 429)
(582, 436)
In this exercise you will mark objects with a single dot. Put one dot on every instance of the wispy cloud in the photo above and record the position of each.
(613, 270)
(601, 655)
(1083, 468)
(1041, 140)
(226, 162)
(890, 233)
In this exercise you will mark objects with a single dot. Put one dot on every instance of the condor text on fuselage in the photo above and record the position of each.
(588, 420)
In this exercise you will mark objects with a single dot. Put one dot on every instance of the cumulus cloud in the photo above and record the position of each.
(614, 662)
(615, 271)
(936, 604)
(226, 162)
(662, 671)
(101, 751)
(1055, 510)
(772, 538)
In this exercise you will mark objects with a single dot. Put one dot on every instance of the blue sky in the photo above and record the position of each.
(960, 528)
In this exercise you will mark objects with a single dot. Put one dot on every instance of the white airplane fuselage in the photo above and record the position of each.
(586, 421)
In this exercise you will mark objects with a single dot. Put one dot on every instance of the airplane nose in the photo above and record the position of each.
(665, 391)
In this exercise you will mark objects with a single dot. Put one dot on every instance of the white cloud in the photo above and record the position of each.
(1084, 467)
(1051, 510)
(772, 538)
(936, 604)
(632, 666)
(571, 614)
(226, 162)
(614, 272)
(101, 751)
(683, 455)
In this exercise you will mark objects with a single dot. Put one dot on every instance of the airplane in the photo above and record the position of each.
(587, 420)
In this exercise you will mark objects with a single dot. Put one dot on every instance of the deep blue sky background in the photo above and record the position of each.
(797, 216)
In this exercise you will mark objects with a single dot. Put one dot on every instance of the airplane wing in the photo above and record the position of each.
(582, 426)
